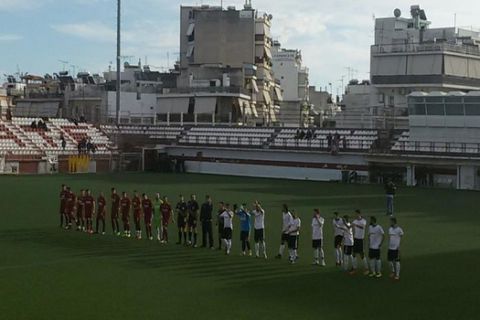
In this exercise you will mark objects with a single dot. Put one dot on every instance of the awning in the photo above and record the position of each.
(254, 86)
(278, 94)
(266, 98)
(172, 105)
(268, 53)
(190, 51)
(245, 107)
(254, 110)
(205, 105)
(191, 28)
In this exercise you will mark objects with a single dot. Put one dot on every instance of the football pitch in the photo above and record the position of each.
(50, 273)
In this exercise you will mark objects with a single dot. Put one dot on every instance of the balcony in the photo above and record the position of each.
(424, 47)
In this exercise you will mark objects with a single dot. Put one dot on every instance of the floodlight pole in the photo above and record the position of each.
(118, 63)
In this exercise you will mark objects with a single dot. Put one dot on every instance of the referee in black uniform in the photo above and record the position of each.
(206, 220)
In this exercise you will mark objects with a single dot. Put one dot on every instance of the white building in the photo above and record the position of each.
(292, 76)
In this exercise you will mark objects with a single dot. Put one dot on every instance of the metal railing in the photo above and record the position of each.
(424, 47)
(436, 147)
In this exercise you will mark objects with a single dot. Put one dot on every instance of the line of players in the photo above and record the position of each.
(348, 236)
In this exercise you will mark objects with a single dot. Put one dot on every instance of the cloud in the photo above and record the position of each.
(17, 5)
(10, 37)
(92, 31)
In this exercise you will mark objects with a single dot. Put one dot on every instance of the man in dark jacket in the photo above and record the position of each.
(206, 220)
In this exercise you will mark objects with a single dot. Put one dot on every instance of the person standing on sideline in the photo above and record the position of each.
(89, 204)
(192, 220)
(317, 238)
(338, 238)
(182, 220)
(101, 212)
(259, 230)
(166, 211)
(245, 226)
(147, 215)
(286, 222)
(227, 217)
(63, 201)
(206, 220)
(390, 190)
(293, 236)
(157, 215)
(114, 212)
(359, 228)
(347, 243)
(220, 224)
(137, 214)
(125, 205)
(375, 240)
(395, 234)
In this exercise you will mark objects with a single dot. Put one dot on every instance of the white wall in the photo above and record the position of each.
(130, 106)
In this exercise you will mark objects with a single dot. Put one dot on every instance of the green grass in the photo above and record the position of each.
(49, 273)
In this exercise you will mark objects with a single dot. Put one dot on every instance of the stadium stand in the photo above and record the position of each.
(354, 140)
(255, 137)
(17, 137)
(405, 145)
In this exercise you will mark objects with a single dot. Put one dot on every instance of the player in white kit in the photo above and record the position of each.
(375, 240)
(293, 235)
(359, 227)
(338, 238)
(286, 221)
(395, 234)
(259, 230)
(317, 238)
(227, 217)
(347, 243)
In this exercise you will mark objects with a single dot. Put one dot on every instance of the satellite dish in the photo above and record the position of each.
(397, 13)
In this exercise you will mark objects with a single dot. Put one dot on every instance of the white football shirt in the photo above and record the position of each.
(359, 226)
(337, 227)
(287, 220)
(347, 234)
(259, 222)
(317, 228)
(395, 234)
(227, 219)
(294, 229)
(375, 236)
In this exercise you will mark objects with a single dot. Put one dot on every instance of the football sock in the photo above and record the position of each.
(282, 248)
(392, 267)
(195, 238)
(354, 262)
(315, 254)
(179, 236)
(184, 237)
(372, 265)
(257, 249)
(190, 236)
(322, 254)
(397, 268)
(292, 257)
(264, 247)
(379, 266)
(248, 245)
(365, 263)
(345, 262)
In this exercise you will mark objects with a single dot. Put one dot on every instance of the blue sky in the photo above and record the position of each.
(332, 34)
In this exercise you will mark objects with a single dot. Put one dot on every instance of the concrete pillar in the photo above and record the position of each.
(411, 181)
(181, 119)
(466, 176)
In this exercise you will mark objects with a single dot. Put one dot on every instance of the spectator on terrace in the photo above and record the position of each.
(329, 141)
(62, 140)
(309, 134)
(33, 125)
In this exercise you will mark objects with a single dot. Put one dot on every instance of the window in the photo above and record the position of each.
(417, 109)
(435, 110)
(434, 99)
(453, 99)
(472, 109)
(391, 101)
(454, 109)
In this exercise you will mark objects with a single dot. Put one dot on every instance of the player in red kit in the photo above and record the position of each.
(166, 211)
(114, 212)
(101, 212)
(147, 215)
(70, 207)
(137, 214)
(125, 205)
(89, 207)
(80, 213)
(63, 202)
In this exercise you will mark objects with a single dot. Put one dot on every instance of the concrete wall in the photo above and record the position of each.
(130, 106)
